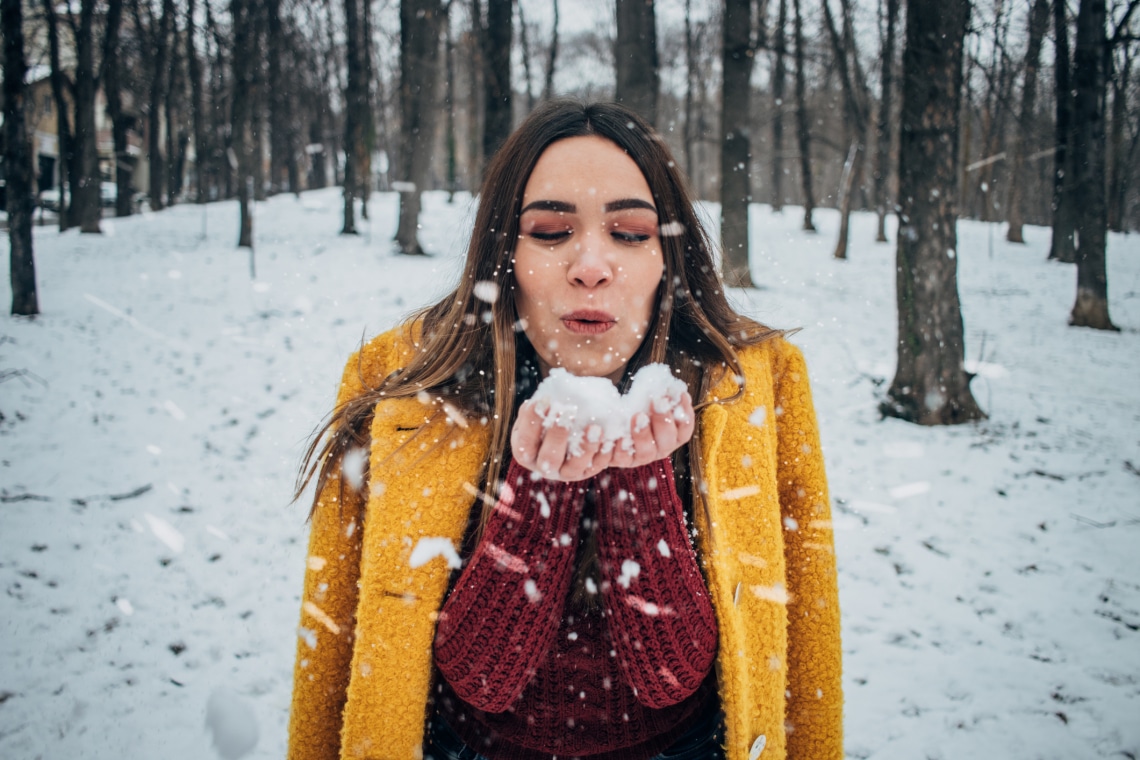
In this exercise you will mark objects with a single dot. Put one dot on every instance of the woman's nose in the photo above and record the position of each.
(589, 265)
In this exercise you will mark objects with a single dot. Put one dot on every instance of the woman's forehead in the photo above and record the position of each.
(585, 169)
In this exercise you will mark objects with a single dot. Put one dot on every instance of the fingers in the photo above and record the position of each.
(552, 452)
(526, 435)
(583, 465)
(653, 435)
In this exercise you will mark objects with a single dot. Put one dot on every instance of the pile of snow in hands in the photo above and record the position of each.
(592, 409)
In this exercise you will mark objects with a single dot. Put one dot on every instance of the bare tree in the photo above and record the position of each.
(68, 169)
(552, 57)
(194, 69)
(856, 112)
(635, 58)
(155, 35)
(421, 22)
(1120, 76)
(1063, 246)
(85, 200)
(355, 92)
(244, 61)
(803, 130)
(18, 164)
(883, 130)
(1038, 21)
(496, 35)
(1088, 146)
(779, 80)
(931, 386)
(112, 89)
(741, 40)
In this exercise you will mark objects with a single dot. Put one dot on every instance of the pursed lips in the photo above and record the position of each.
(588, 321)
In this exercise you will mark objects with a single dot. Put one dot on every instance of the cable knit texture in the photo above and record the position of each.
(566, 681)
(765, 543)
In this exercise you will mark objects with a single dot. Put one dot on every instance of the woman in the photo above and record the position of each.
(653, 600)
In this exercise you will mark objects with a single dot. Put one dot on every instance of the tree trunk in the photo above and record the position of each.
(278, 114)
(85, 198)
(735, 152)
(691, 84)
(449, 96)
(1088, 147)
(63, 124)
(420, 26)
(779, 79)
(851, 170)
(112, 86)
(1038, 21)
(548, 82)
(496, 37)
(353, 129)
(883, 132)
(194, 67)
(171, 111)
(803, 132)
(1063, 246)
(855, 110)
(931, 386)
(524, 42)
(18, 164)
(1118, 169)
(635, 58)
(243, 64)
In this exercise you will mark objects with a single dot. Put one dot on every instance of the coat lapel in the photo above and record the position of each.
(423, 469)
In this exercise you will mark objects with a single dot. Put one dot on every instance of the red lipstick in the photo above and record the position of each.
(588, 321)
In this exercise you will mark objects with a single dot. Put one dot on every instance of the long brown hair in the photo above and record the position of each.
(470, 361)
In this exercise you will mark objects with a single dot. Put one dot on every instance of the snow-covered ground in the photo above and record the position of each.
(154, 415)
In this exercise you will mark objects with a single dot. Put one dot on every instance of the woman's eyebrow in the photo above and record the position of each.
(563, 206)
(628, 203)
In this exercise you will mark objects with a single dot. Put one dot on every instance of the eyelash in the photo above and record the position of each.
(631, 238)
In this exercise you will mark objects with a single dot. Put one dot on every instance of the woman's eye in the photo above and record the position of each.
(550, 237)
(629, 237)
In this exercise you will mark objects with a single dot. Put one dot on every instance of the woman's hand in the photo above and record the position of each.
(655, 435)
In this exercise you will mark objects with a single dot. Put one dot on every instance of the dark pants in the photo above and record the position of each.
(701, 742)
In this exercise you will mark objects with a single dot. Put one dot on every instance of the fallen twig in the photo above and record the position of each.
(13, 498)
(84, 501)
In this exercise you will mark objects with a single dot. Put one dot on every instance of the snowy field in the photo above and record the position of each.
(154, 415)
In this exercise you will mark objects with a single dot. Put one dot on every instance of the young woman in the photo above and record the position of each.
(671, 599)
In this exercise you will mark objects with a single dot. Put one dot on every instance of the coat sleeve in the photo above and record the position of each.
(814, 683)
(328, 611)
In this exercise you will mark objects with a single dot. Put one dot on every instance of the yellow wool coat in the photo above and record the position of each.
(364, 668)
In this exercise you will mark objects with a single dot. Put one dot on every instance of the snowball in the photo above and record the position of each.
(663, 549)
(404, 187)
(485, 290)
(428, 549)
(758, 415)
(671, 229)
(232, 722)
(581, 403)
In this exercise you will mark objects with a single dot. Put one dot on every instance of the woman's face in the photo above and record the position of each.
(588, 261)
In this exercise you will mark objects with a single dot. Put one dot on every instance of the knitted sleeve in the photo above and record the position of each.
(503, 614)
(815, 698)
(660, 617)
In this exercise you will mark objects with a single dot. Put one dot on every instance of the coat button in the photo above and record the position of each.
(757, 747)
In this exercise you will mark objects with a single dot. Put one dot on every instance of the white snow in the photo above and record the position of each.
(428, 548)
(993, 615)
(592, 409)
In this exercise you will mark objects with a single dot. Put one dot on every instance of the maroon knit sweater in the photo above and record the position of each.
(526, 675)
